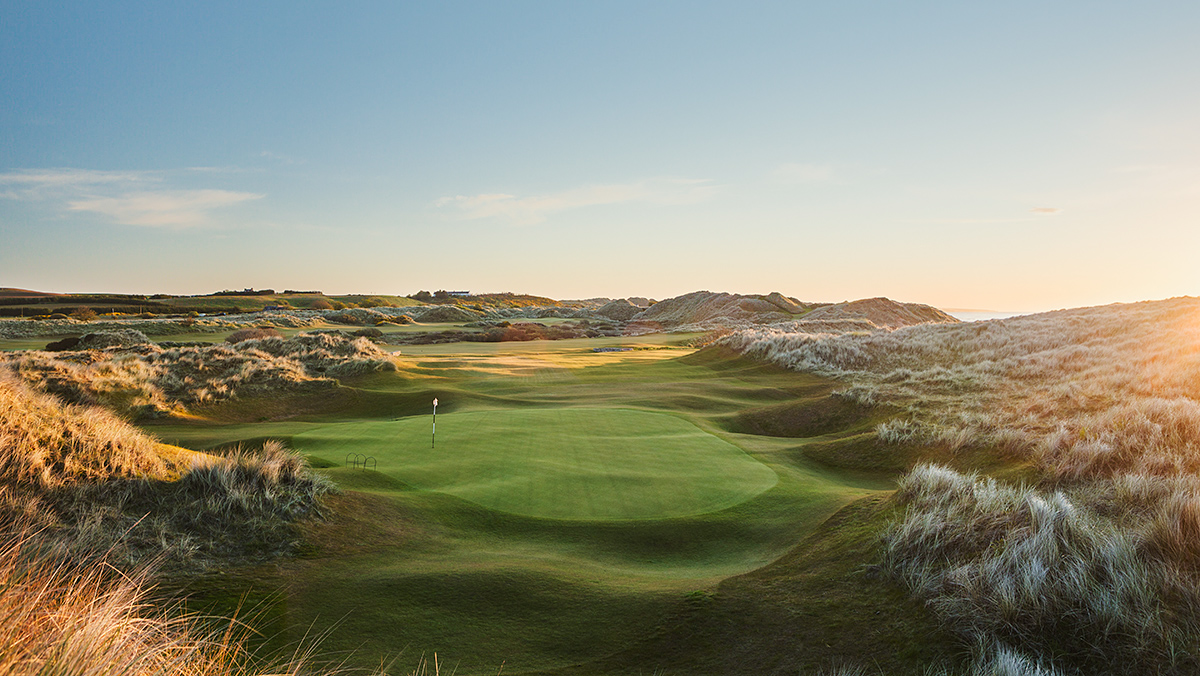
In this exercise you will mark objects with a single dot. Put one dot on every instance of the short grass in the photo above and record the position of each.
(545, 532)
(560, 463)
(575, 347)
(26, 343)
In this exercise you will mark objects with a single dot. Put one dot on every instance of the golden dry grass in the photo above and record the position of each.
(1085, 392)
(59, 618)
(46, 444)
(1096, 566)
(84, 496)
(94, 484)
(152, 381)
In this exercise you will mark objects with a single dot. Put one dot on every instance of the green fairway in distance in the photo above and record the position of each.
(561, 463)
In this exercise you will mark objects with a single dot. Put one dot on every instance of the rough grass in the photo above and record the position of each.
(13, 328)
(92, 483)
(65, 618)
(1084, 392)
(241, 508)
(252, 334)
(1101, 576)
(996, 660)
(87, 502)
(45, 445)
(152, 381)
(1095, 566)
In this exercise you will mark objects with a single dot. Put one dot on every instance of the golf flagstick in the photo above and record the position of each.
(433, 439)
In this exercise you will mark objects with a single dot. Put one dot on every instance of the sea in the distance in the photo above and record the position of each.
(980, 315)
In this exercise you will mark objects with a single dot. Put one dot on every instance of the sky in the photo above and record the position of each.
(1015, 156)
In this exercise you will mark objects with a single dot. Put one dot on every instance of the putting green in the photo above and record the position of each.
(565, 463)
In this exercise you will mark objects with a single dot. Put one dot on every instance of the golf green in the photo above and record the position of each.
(561, 463)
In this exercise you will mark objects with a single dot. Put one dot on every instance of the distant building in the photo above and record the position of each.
(458, 294)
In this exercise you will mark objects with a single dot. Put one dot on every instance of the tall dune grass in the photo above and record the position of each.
(92, 483)
(70, 619)
(1098, 575)
(240, 508)
(150, 380)
(1097, 566)
(993, 660)
(45, 444)
(83, 496)
(1085, 392)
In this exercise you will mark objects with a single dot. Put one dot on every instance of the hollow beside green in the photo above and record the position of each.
(561, 463)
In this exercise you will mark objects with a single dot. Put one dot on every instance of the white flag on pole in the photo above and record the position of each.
(435, 402)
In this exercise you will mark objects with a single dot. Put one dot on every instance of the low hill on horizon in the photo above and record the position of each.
(707, 310)
(9, 292)
(699, 311)
(883, 312)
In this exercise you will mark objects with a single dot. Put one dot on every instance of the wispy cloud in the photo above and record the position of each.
(169, 208)
(40, 183)
(792, 173)
(280, 158)
(532, 209)
(1045, 211)
(143, 198)
(224, 170)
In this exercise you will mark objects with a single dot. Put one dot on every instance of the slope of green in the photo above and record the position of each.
(561, 463)
(820, 605)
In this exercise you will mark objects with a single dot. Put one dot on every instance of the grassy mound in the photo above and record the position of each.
(818, 604)
(804, 417)
(45, 445)
(93, 484)
(1084, 392)
(592, 464)
(243, 507)
(152, 381)
(252, 334)
(1092, 567)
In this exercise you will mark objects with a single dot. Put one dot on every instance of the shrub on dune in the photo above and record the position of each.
(241, 507)
(252, 334)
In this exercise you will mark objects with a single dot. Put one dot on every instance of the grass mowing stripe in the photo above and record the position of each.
(562, 463)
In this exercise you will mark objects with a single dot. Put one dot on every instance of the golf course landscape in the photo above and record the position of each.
(575, 505)
(599, 339)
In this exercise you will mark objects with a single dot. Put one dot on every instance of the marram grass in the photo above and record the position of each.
(58, 618)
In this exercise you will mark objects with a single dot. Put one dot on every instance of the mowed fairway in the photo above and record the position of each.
(577, 504)
(562, 463)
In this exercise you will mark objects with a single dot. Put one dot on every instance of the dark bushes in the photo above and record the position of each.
(252, 334)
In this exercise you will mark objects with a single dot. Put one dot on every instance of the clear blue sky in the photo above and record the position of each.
(1009, 156)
